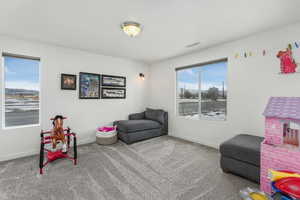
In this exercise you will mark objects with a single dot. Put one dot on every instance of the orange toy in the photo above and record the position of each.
(58, 132)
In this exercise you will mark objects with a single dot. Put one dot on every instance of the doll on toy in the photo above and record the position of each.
(57, 133)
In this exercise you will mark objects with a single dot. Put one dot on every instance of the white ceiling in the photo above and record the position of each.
(169, 25)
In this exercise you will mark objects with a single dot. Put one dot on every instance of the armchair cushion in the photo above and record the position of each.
(155, 115)
(129, 126)
(137, 116)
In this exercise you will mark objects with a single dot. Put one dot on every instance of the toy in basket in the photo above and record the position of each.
(106, 135)
(58, 135)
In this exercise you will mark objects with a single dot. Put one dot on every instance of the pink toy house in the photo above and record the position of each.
(280, 149)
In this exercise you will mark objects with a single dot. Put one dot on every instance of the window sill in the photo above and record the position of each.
(19, 127)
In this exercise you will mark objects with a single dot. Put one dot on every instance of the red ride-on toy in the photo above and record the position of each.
(46, 138)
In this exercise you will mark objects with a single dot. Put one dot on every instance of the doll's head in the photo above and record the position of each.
(58, 121)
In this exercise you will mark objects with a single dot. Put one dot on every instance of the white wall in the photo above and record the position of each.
(251, 82)
(83, 115)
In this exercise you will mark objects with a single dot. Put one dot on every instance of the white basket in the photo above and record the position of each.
(108, 133)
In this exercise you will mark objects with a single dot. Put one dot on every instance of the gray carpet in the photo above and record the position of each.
(162, 168)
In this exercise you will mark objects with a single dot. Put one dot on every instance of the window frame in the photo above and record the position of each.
(178, 100)
(3, 55)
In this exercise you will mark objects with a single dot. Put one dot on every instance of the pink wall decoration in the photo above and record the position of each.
(287, 62)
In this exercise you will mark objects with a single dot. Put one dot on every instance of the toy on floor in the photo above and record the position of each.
(285, 185)
(253, 194)
(53, 137)
(277, 175)
(281, 146)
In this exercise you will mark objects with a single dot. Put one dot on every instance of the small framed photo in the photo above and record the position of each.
(89, 86)
(68, 82)
(113, 81)
(113, 93)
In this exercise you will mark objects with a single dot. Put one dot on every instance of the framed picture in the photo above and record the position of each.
(89, 86)
(113, 93)
(68, 82)
(113, 81)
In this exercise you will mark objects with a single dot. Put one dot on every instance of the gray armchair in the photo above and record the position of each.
(140, 126)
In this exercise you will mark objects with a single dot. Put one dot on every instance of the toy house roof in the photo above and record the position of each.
(283, 107)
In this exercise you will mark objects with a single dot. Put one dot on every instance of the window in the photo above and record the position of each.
(291, 133)
(202, 91)
(21, 91)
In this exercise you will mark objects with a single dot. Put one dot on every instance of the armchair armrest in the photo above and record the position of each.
(137, 116)
(165, 128)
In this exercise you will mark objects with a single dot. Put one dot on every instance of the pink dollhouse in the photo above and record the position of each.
(280, 149)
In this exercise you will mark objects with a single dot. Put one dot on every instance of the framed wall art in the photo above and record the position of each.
(89, 86)
(113, 93)
(68, 82)
(113, 81)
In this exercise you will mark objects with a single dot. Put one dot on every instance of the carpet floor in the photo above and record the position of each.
(162, 168)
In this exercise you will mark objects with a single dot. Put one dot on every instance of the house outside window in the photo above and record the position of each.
(202, 91)
(21, 89)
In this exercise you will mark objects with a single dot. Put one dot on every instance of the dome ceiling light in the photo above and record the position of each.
(132, 29)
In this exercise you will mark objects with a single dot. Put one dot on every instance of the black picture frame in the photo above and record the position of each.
(104, 96)
(105, 84)
(84, 82)
(63, 85)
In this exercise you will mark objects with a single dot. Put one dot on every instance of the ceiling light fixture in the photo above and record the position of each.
(192, 45)
(132, 29)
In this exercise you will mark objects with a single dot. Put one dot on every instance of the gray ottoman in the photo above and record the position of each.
(241, 156)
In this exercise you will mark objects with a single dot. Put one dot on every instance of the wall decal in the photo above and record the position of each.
(292, 46)
(287, 62)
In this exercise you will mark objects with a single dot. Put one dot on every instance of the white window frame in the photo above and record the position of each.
(178, 100)
(3, 90)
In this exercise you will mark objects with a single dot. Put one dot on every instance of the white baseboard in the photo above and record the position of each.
(86, 140)
(36, 151)
(215, 146)
(18, 155)
(91, 140)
